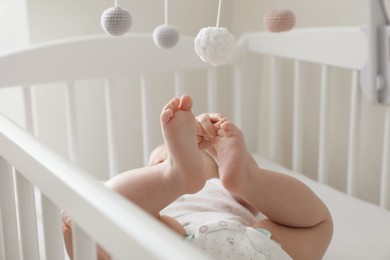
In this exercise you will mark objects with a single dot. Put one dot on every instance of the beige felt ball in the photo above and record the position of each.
(279, 20)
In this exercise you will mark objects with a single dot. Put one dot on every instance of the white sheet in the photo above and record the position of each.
(361, 229)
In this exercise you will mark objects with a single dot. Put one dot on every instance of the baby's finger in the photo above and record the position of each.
(199, 129)
(217, 119)
(207, 125)
(66, 220)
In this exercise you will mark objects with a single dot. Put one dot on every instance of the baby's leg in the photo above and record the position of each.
(154, 187)
(185, 161)
(297, 218)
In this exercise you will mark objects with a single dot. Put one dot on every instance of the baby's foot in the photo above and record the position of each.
(234, 161)
(185, 163)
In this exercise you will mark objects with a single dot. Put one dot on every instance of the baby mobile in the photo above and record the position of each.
(215, 45)
(279, 20)
(115, 20)
(165, 36)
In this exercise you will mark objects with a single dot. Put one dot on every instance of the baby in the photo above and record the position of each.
(204, 185)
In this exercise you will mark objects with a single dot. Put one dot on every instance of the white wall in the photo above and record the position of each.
(67, 18)
(13, 25)
(13, 34)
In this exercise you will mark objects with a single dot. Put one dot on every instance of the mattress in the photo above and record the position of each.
(361, 229)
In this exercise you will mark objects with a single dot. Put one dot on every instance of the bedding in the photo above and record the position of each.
(361, 229)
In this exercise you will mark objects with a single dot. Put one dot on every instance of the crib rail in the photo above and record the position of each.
(55, 59)
(35, 166)
(333, 46)
(327, 48)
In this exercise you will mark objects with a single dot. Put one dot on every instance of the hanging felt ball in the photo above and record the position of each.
(279, 20)
(116, 21)
(165, 36)
(215, 45)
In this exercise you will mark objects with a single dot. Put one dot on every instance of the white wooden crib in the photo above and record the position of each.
(90, 109)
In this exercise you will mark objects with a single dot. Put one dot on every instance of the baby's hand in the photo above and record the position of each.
(208, 125)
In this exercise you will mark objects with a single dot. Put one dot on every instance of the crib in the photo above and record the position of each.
(90, 109)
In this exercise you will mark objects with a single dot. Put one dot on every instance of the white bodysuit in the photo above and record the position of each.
(217, 223)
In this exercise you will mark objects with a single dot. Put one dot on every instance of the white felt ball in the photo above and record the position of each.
(215, 45)
(116, 21)
(279, 20)
(165, 36)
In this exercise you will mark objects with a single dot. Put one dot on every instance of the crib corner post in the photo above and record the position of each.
(375, 77)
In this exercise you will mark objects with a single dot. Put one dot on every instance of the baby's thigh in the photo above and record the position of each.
(173, 224)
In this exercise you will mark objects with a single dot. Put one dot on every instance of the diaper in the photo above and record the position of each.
(232, 240)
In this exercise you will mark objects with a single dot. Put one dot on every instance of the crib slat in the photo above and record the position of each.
(354, 130)
(212, 89)
(2, 254)
(29, 109)
(179, 84)
(52, 232)
(323, 132)
(297, 118)
(273, 107)
(28, 213)
(71, 122)
(238, 96)
(8, 211)
(27, 217)
(146, 124)
(84, 248)
(385, 178)
(111, 128)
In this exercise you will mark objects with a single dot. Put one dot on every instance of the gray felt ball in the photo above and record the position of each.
(165, 36)
(116, 21)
